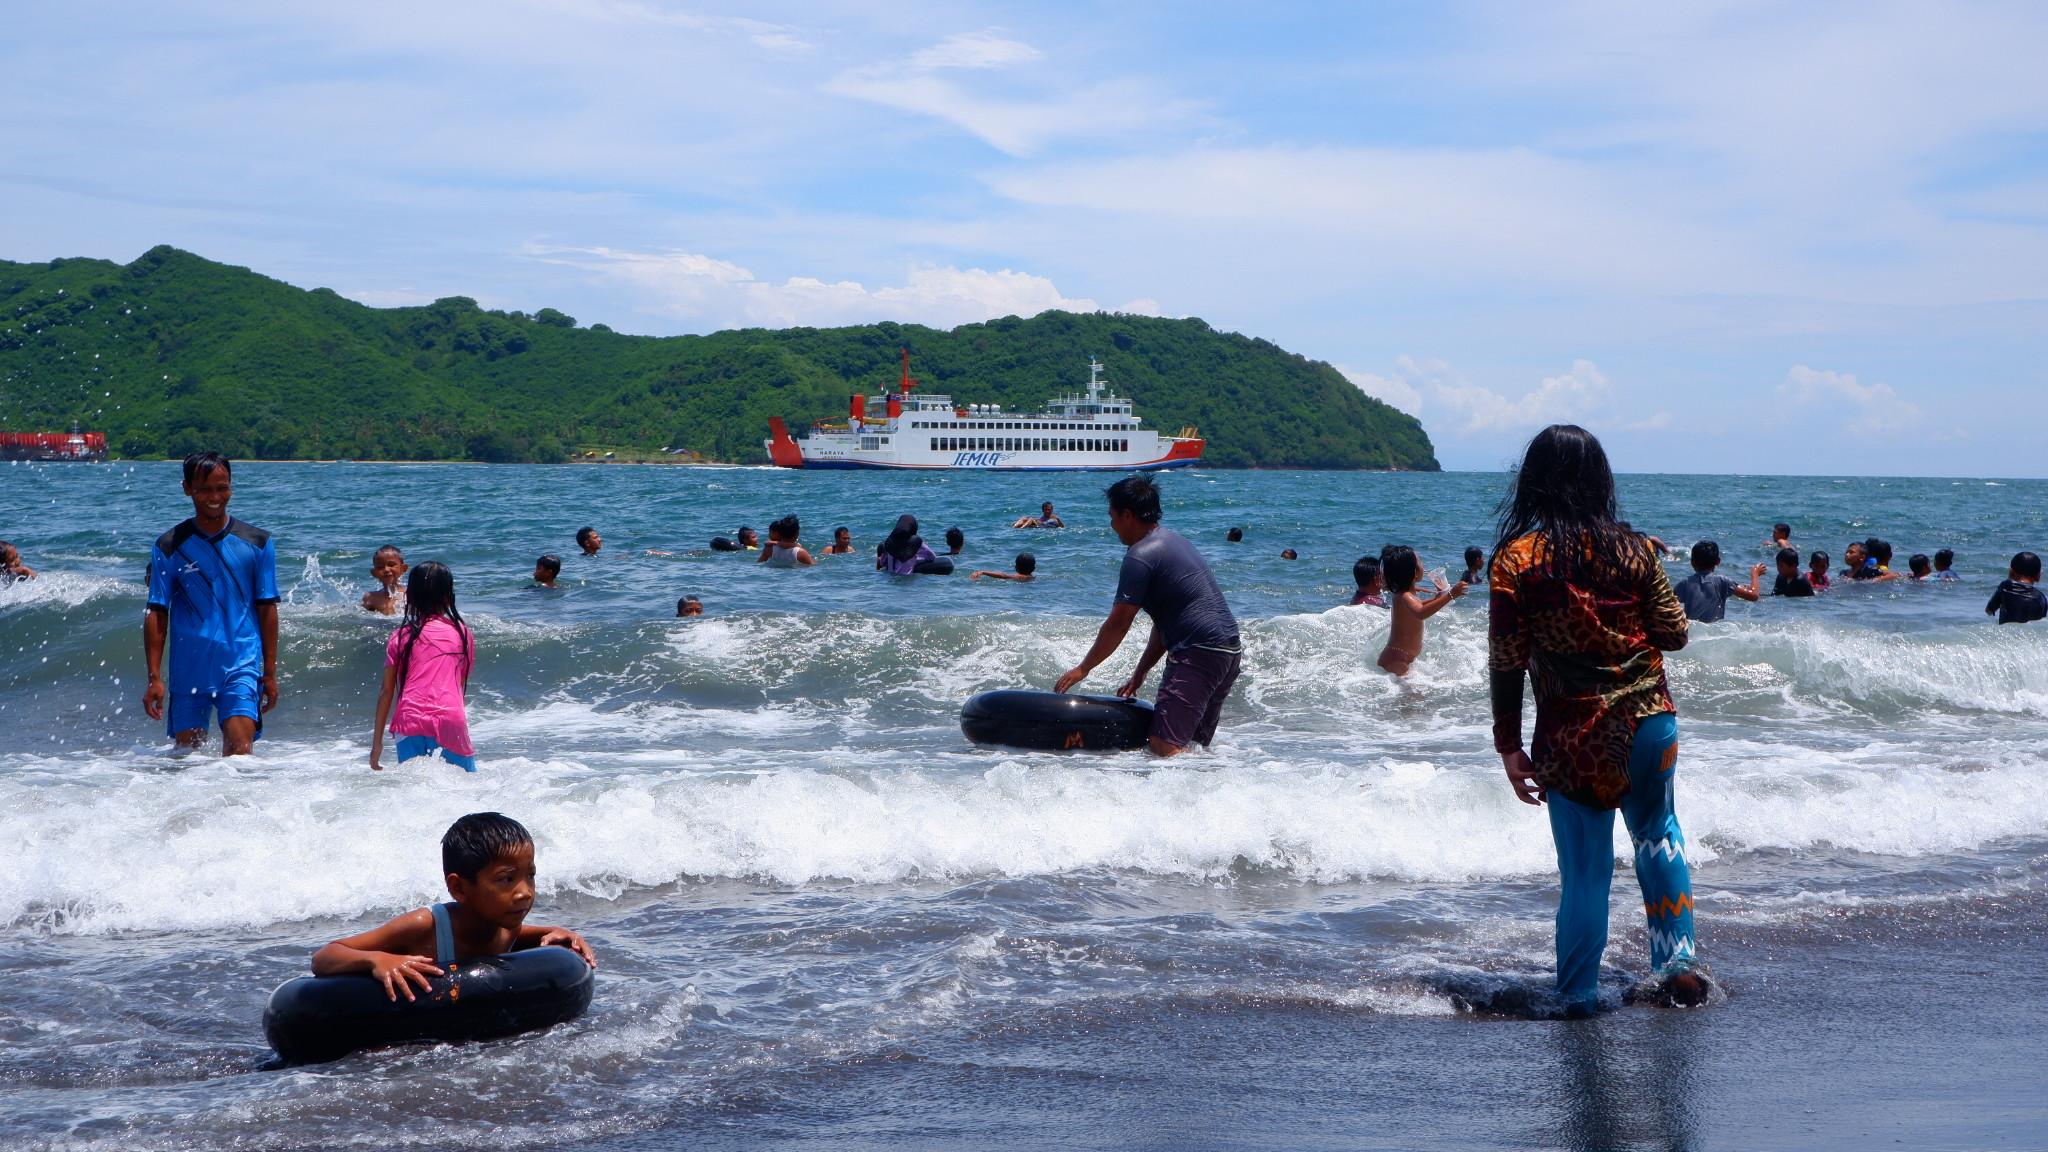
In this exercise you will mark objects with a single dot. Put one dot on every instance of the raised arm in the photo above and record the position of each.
(1754, 592)
(1435, 604)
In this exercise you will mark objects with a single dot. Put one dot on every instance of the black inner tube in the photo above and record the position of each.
(1055, 720)
(314, 1019)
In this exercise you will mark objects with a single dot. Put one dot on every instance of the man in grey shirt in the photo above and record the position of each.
(1705, 593)
(1192, 627)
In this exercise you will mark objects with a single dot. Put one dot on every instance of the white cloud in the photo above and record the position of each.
(714, 293)
(1569, 397)
(974, 50)
(1875, 409)
(1393, 390)
(1034, 111)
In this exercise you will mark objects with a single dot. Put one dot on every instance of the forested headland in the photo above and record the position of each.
(173, 353)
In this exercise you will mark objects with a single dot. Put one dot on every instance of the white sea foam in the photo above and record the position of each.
(307, 832)
(65, 590)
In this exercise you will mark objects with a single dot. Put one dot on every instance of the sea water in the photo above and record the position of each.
(824, 916)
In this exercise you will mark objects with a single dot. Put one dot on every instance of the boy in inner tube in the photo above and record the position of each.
(488, 859)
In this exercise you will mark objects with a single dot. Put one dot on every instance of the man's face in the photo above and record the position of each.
(1127, 526)
(842, 538)
(210, 492)
(592, 544)
(1045, 509)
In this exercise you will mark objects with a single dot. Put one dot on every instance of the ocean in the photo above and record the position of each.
(826, 920)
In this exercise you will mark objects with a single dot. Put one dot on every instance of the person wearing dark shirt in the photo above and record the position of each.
(1475, 567)
(213, 601)
(1790, 581)
(1705, 593)
(2018, 600)
(1165, 577)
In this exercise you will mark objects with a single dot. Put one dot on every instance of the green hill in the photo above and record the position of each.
(174, 353)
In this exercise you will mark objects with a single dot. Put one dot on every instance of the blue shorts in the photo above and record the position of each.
(410, 747)
(189, 708)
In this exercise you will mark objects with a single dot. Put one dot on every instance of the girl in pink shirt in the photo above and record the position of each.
(426, 667)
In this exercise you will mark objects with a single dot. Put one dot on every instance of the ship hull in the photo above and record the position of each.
(877, 465)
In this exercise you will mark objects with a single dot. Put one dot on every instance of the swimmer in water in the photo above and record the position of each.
(1944, 565)
(1817, 571)
(1475, 567)
(1026, 565)
(956, 541)
(783, 551)
(545, 570)
(1852, 558)
(1402, 569)
(689, 606)
(588, 540)
(842, 542)
(11, 567)
(1234, 536)
(749, 540)
(1045, 519)
(1920, 566)
(1288, 554)
(1781, 537)
(1371, 589)
(487, 865)
(387, 565)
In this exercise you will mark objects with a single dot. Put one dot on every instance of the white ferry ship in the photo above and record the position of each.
(907, 429)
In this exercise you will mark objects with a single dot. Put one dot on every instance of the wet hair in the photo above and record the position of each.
(1919, 564)
(1400, 567)
(1045, 506)
(583, 536)
(1288, 554)
(1782, 531)
(1026, 563)
(1789, 556)
(1705, 555)
(1137, 495)
(6, 550)
(2026, 566)
(955, 538)
(471, 843)
(1564, 492)
(1234, 535)
(1474, 557)
(1366, 570)
(1818, 560)
(743, 532)
(1944, 558)
(201, 464)
(688, 600)
(429, 592)
(391, 548)
(842, 530)
(1878, 550)
(784, 529)
(551, 562)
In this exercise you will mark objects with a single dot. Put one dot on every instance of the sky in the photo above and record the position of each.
(1728, 237)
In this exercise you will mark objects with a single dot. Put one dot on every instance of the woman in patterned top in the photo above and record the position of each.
(1580, 604)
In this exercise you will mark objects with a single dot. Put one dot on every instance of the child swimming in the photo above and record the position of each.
(546, 569)
(11, 567)
(487, 865)
(1370, 587)
(427, 663)
(1400, 567)
(387, 567)
(783, 551)
(1790, 582)
(1817, 571)
(1026, 565)
(2018, 601)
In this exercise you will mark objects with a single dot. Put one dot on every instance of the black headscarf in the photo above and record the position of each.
(903, 541)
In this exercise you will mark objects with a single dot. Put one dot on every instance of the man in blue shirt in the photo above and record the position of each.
(1192, 627)
(213, 597)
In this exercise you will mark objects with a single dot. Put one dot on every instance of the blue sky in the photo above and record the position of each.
(1729, 237)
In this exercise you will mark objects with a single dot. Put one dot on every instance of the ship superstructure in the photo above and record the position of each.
(1098, 431)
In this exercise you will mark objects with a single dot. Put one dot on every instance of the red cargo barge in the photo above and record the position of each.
(88, 446)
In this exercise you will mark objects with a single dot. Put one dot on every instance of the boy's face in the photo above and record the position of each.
(749, 538)
(690, 608)
(387, 567)
(210, 493)
(1788, 567)
(1854, 555)
(592, 543)
(541, 575)
(502, 893)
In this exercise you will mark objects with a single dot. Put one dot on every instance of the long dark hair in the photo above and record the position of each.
(429, 592)
(1564, 492)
